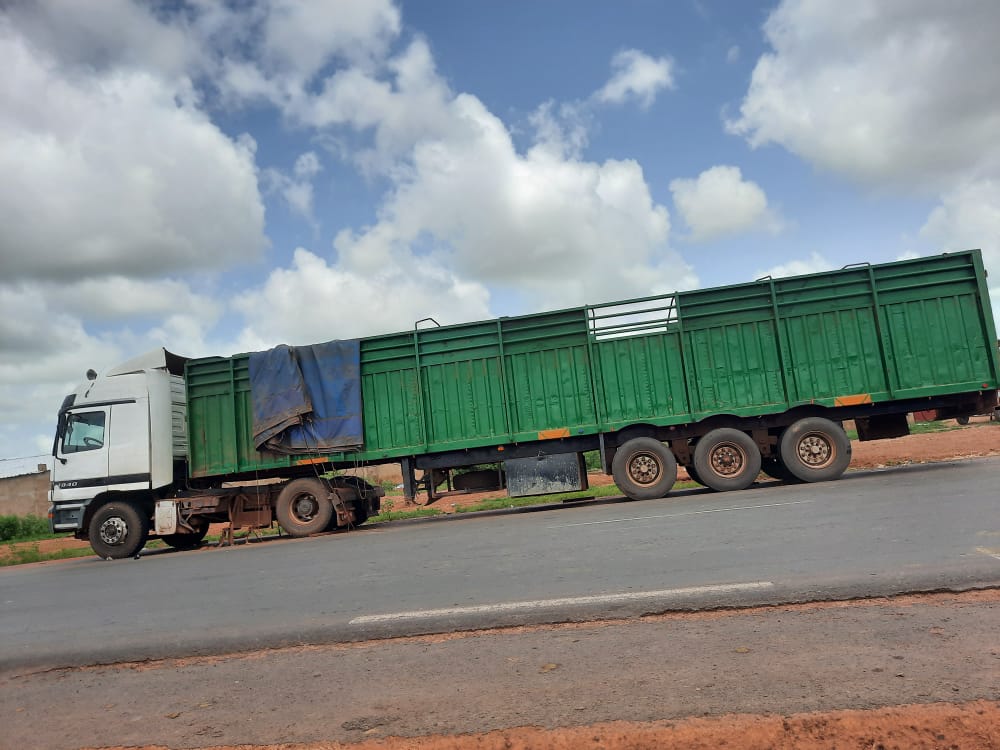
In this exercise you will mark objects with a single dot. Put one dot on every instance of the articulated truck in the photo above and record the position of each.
(727, 382)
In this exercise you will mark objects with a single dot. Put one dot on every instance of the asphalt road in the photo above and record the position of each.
(916, 528)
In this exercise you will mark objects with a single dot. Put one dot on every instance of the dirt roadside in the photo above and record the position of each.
(909, 672)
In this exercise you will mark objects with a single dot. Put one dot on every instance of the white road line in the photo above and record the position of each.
(678, 515)
(504, 607)
(991, 552)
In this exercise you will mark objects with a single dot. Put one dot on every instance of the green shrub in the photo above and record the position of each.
(10, 526)
(29, 527)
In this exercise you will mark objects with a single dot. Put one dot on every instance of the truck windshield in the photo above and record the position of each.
(84, 432)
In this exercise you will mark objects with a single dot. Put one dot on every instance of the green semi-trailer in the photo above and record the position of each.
(727, 382)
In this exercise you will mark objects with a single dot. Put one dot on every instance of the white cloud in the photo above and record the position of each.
(720, 202)
(301, 36)
(903, 93)
(297, 190)
(115, 173)
(733, 54)
(815, 263)
(307, 165)
(969, 218)
(561, 231)
(637, 76)
(347, 303)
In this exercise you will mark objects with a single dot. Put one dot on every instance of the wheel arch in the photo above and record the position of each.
(143, 500)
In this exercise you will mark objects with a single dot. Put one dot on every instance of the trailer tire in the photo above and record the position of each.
(118, 530)
(815, 449)
(773, 467)
(304, 507)
(727, 459)
(644, 469)
(186, 541)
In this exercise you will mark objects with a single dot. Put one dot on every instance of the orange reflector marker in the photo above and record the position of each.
(304, 461)
(559, 432)
(855, 400)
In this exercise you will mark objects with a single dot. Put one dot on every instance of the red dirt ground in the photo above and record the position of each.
(973, 726)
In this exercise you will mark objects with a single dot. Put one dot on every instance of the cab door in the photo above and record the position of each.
(82, 454)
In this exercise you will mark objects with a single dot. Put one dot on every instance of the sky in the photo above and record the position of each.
(219, 177)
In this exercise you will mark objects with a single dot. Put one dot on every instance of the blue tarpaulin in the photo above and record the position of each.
(307, 399)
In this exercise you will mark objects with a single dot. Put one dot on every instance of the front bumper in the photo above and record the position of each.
(66, 517)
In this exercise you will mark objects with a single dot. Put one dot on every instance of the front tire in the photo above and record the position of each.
(304, 507)
(644, 469)
(815, 449)
(726, 459)
(118, 530)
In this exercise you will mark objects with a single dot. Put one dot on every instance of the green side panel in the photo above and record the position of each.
(731, 351)
(211, 417)
(831, 336)
(464, 399)
(390, 393)
(939, 330)
(547, 369)
(641, 377)
(833, 353)
(733, 367)
(220, 417)
(550, 389)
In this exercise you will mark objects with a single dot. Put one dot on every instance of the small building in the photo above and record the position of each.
(25, 493)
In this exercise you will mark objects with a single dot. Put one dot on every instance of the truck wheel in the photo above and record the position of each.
(776, 470)
(815, 449)
(962, 420)
(644, 468)
(118, 530)
(727, 459)
(186, 541)
(304, 507)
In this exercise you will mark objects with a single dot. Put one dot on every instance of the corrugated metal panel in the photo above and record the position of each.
(911, 328)
(178, 417)
(641, 377)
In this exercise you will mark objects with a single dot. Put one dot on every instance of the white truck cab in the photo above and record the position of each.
(119, 436)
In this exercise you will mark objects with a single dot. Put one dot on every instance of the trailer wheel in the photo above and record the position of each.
(727, 459)
(186, 541)
(644, 469)
(815, 449)
(776, 470)
(118, 530)
(304, 507)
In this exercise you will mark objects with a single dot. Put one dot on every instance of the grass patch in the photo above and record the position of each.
(24, 555)
(919, 428)
(25, 529)
(401, 515)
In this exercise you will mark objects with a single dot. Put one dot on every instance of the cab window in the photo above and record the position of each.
(84, 432)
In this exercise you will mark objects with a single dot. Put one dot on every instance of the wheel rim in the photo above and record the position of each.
(816, 450)
(113, 531)
(644, 468)
(305, 507)
(728, 459)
